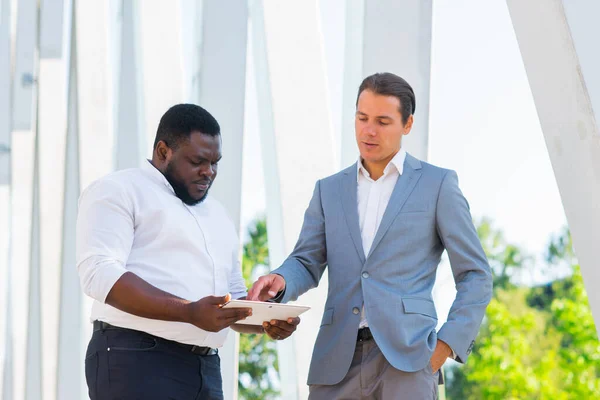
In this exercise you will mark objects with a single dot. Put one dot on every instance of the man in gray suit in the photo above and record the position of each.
(380, 226)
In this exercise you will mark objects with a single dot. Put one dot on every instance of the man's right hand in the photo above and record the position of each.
(266, 287)
(208, 315)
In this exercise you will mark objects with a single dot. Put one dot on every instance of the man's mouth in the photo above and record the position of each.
(202, 186)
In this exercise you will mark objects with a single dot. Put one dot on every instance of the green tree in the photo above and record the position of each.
(535, 343)
(505, 258)
(579, 355)
(258, 365)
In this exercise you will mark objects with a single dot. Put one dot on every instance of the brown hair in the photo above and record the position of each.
(388, 84)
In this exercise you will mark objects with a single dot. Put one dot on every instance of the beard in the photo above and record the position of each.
(181, 189)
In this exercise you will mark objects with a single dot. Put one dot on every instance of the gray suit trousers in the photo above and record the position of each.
(371, 377)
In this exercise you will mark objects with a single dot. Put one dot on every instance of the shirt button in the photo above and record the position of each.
(365, 275)
(355, 310)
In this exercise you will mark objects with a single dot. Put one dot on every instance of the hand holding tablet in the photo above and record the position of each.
(265, 311)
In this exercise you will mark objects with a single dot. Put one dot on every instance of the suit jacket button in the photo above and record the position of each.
(355, 310)
(365, 275)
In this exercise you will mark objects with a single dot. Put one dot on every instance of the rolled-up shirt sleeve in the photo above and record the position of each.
(105, 231)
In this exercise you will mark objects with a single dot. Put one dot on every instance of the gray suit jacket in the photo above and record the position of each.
(427, 213)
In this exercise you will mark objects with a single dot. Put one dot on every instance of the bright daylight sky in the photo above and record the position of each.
(483, 121)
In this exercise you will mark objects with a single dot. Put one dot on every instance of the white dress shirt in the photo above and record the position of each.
(131, 220)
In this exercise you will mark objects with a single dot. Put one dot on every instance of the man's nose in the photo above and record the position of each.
(369, 130)
(208, 171)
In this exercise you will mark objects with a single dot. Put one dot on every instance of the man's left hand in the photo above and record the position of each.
(440, 354)
(279, 330)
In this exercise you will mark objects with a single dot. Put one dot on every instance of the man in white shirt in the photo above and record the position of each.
(379, 227)
(159, 256)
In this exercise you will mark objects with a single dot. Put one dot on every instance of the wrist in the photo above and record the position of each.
(185, 311)
(282, 279)
(447, 350)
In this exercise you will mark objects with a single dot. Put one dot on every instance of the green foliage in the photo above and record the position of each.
(505, 258)
(258, 366)
(535, 343)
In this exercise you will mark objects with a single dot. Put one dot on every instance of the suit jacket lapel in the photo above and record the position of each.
(349, 193)
(405, 185)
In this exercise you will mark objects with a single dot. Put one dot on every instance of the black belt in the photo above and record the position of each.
(364, 334)
(198, 350)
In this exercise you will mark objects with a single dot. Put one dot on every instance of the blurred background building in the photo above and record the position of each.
(83, 85)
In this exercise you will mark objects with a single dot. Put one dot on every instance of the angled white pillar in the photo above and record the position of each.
(33, 366)
(5, 198)
(560, 53)
(353, 76)
(93, 83)
(26, 117)
(222, 84)
(297, 137)
(51, 136)
(25, 64)
(51, 28)
(94, 106)
(218, 72)
(161, 62)
(191, 39)
(22, 167)
(405, 50)
(70, 377)
(130, 136)
(5, 92)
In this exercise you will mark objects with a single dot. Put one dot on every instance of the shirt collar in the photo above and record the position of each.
(156, 175)
(396, 162)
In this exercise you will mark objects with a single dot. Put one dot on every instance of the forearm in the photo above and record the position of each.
(135, 296)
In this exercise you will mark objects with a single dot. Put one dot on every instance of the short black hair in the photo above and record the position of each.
(181, 120)
(388, 84)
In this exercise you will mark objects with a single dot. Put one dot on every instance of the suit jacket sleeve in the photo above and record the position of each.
(303, 269)
(470, 268)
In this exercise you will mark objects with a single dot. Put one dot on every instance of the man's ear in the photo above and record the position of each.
(162, 152)
(409, 124)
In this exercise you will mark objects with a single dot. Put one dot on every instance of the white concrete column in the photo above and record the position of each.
(94, 75)
(33, 352)
(25, 64)
(161, 62)
(558, 44)
(5, 92)
(23, 143)
(297, 138)
(219, 74)
(5, 199)
(191, 40)
(52, 13)
(353, 76)
(130, 136)
(51, 135)
(397, 39)
(70, 377)
(222, 87)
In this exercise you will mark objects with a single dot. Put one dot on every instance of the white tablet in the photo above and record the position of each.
(264, 311)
